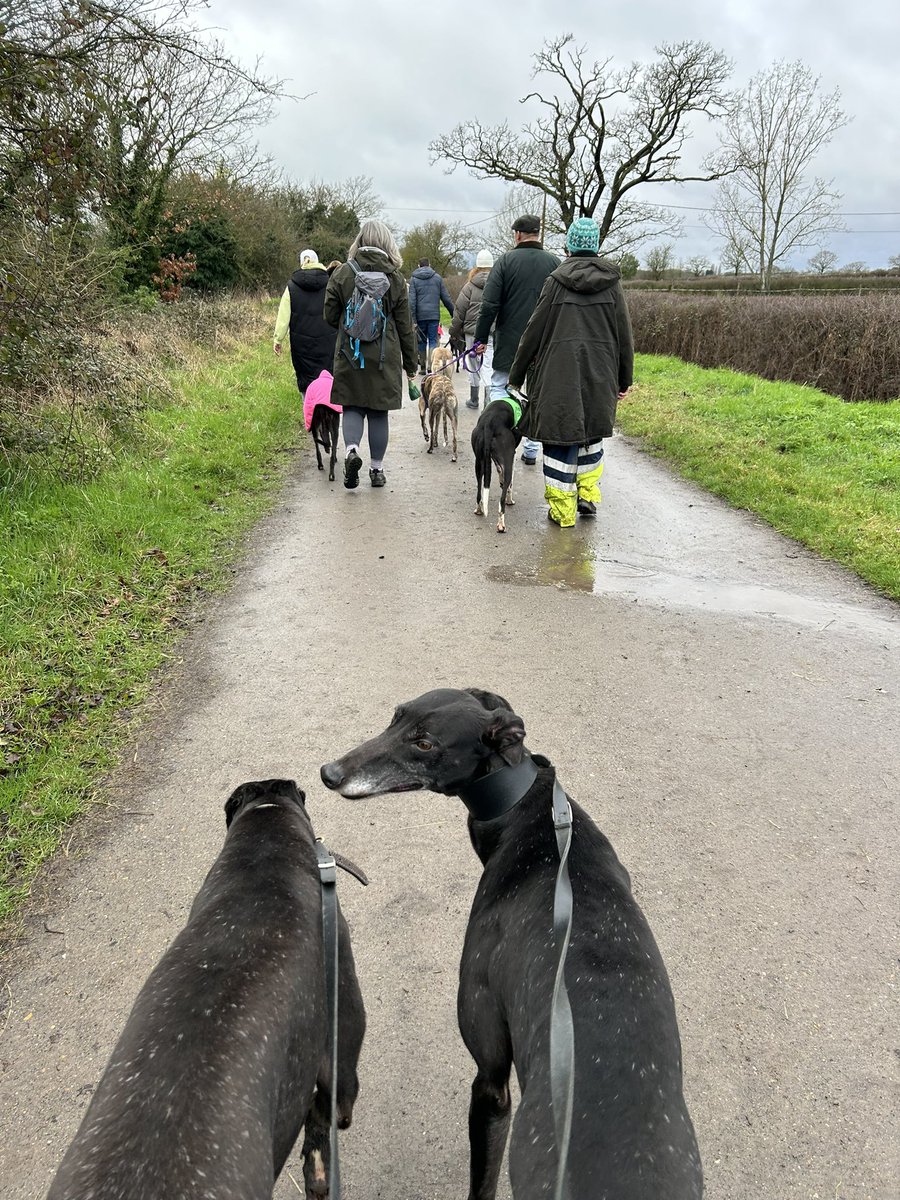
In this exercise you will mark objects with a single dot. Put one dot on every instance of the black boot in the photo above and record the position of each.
(472, 401)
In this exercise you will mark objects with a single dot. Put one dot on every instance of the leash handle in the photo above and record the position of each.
(562, 1030)
(458, 358)
(328, 882)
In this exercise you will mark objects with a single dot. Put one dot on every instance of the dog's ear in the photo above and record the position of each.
(489, 700)
(298, 793)
(239, 797)
(505, 735)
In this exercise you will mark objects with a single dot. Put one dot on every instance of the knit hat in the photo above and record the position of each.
(584, 234)
(484, 259)
(308, 256)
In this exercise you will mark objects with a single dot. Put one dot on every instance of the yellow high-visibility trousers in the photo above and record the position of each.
(571, 473)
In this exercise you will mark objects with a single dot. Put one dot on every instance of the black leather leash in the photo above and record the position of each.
(328, 864)
(562, 1031)
(490, 797)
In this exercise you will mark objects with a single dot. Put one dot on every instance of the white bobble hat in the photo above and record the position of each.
(484, 259)
(308, 256)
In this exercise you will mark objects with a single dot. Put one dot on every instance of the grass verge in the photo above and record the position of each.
(816, 468)
(93, 577)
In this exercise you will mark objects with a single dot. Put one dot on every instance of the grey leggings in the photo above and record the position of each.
(354, 419)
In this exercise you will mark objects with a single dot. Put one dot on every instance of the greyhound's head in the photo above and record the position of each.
(280, 792)
(441, 742)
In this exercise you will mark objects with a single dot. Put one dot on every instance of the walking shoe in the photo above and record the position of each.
(352, 465)
(472, 401)
(376, 477)
(528, 460)
(587, 508)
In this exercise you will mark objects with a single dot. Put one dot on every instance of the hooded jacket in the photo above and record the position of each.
(368, 387)
(468, 305)
(577, 352)
(312, 338)
(426, 291)
(509, 297)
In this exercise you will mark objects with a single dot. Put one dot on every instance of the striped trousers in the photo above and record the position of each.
(571, 473)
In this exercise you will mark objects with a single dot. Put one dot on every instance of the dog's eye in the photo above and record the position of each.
(424, 744)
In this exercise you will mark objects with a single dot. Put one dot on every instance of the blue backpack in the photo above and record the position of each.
(365, 317)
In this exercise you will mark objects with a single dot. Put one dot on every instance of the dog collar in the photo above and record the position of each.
(495, 794)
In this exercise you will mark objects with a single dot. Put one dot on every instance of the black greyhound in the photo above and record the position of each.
(494, 440)
(324, 428)
(226, 1054)
(632, 1137)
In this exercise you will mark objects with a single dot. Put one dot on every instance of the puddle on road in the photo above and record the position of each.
(567, 565)
(571, 564)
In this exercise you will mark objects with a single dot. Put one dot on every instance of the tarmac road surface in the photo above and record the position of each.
(723, 703)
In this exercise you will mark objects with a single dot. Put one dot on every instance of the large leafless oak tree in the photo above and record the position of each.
(603, 133)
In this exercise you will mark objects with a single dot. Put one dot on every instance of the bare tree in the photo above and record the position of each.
(518, 199)
(603, 134)
(822, 261)
(358, 193)
(894, 262)
(769, 204)
(736, 253)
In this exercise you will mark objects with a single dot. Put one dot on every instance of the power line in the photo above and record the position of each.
(658, 204)
(831, 233)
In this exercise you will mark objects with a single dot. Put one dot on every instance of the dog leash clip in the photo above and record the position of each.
(327, 864)
(562, 809)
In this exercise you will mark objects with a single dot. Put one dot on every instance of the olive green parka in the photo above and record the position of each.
(577, 352)
(369, 387)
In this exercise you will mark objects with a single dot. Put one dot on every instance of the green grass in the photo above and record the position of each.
(816, 468)
(93, 578)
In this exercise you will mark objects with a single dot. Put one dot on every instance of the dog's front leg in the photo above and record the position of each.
(317, 1146)
(489, 1113)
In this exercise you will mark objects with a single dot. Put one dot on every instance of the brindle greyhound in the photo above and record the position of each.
(632, 1137)
(440, 398)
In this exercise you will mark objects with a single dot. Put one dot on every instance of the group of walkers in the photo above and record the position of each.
(563, 326)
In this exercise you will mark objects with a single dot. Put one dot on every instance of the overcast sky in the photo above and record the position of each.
(384, 78)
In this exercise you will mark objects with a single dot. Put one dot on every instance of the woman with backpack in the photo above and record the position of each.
(366, 301)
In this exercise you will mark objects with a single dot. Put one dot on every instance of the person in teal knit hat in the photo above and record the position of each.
(578, 355)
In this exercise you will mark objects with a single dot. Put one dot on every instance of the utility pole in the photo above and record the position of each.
(543, 217)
